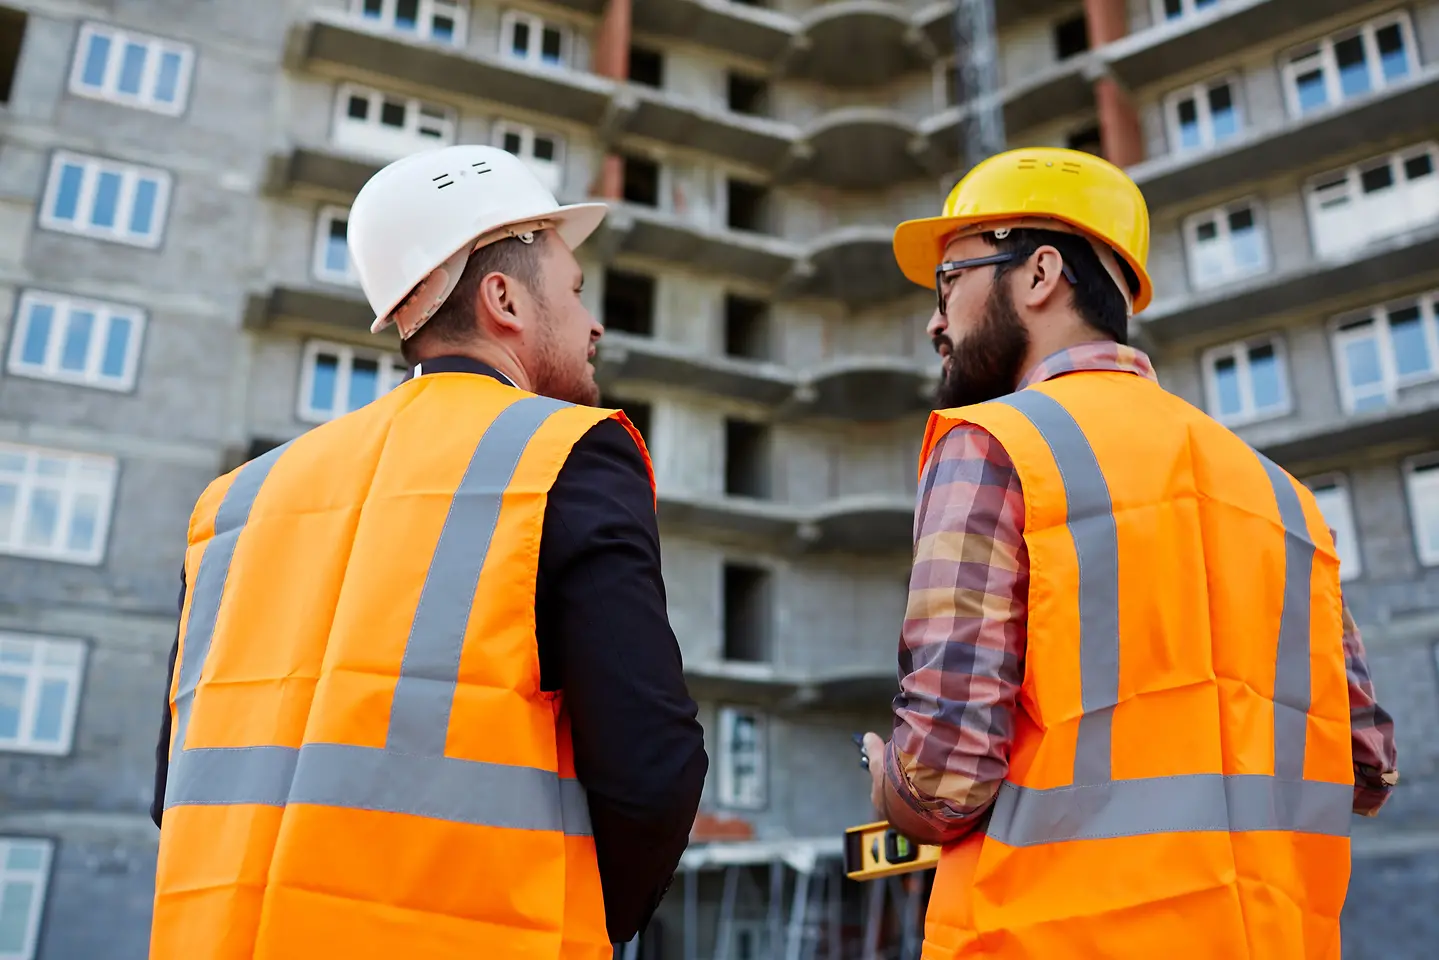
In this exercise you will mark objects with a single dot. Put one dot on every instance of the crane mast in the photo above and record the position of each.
(976, 61)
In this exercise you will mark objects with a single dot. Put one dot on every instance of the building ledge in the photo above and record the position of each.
(1409, 426)
(782, 690)
(751, 32)
(849, 44)
(1168, 49)
(855, 264)
(1196, 178)
(322, 175)
(622, 357)
(1365, 275)
(658, 234)
(869, 524)
(334, 313)
(863, 148)
(657, 115)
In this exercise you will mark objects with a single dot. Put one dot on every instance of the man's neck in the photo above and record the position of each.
(500, 361)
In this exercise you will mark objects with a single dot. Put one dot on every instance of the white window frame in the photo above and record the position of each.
(1239, 352)
(39, 877)
(1220, 216)
(109, 89)
(103, 485)
(457, 10)
(1348, 181)
(1421, 476)
(68, 664)
(1323, 49)
(550, 172)
(380, 140)
(92, 168)
(729, 795)
(1341, 521)
(392, 371)
(64, 306)
(1188, 10)
(327, 216)
(537, 24)
(1378, 317)
(1199, 93)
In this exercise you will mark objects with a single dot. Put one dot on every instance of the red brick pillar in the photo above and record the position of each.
(612, 59)
(1120, 134)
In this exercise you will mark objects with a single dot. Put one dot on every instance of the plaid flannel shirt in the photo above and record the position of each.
(962, 645)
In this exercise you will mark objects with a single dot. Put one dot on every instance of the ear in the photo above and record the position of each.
(1041, 279)
(496, 303)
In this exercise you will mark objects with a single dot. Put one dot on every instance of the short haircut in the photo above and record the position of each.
(1095, 297)
(454, 323)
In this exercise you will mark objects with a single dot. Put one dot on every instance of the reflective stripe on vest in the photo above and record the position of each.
(410, 774)
(1098, 806)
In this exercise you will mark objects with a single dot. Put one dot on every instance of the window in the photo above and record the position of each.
(641, 181)
(1247, 381)
(747, 205)
(628, 305)
(39, 693)
(55, 505)
(746, 325)
(1381, 197)
(742, 761)
(1421, 476)
(1350, 64)
(387, 126)
(332, 248)
(337, 379)
(746, 454)
(132, 69)
(529, 39)
(12, 41)
(1384, 349)
(24, 875)
(1071, 37)
(1179, 9)
(748, 95)
(1202, 116)
(1087, 138)
(105, 199)
(746, 614)
(639, 412)
(647, 66)
(88, 342)
(543, 153)
(442, 20)
(1332, 493)
(1225, 244)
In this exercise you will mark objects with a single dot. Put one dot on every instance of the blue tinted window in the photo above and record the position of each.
(67, 195)
(77, 341)
(1266, 378)
(142, 215)
(97, 57)
(132, 68)
(107, 199)
(50, 712)
(1411, 349)
(1311, 90)
(322, 388)
(167, 80)
(37, 334)
(117, 347)
(1226, 381)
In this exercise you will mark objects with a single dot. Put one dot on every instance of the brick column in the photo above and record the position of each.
(1120, 135)
(612, 59)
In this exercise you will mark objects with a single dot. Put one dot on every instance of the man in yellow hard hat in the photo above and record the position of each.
(1133, 708)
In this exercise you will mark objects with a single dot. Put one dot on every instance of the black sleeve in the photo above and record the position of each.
(605, 641)
(162, 749)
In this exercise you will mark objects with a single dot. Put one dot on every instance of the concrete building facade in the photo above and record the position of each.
(174, 181)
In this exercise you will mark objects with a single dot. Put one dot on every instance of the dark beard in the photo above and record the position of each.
(987, 363)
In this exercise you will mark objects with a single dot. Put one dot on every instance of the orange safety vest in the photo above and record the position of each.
(1180, 780)
(362, 761)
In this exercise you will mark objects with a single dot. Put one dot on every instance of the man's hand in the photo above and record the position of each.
(874, 752)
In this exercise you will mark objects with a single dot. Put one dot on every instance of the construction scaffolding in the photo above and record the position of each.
(783, 900)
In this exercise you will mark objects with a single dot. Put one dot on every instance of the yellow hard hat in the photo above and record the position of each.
(1026, 187)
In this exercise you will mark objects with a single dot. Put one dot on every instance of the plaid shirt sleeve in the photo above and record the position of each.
(1376, 758)
(962, 643)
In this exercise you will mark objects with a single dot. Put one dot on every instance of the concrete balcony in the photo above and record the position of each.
(863, 148)
(1167, 49)
(342, 47)
(308, 174)
(755, 141)
(1409, 426)
(660, 235)
(1258, 154)
(850, 389)
(1365, 275)
(871, 524)
(312, 311)
(782, 691)
(858, 43)
(853, 264)
(936, 20)
(750, 32)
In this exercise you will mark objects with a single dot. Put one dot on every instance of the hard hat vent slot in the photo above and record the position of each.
(1069, 166)
(1029, 163)
(481, 166)
(442, 181)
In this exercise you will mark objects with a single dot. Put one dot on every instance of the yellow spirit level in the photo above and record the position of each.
(876, 850)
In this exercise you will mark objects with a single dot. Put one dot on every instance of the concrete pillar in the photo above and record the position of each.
(612, 59)
(1121, 138)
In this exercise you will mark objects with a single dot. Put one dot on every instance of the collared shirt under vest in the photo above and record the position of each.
(363, 761)
(1180, 780)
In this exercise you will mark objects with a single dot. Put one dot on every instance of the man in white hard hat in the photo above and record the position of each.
(425, 698)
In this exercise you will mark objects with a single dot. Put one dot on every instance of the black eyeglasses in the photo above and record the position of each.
(951, 266)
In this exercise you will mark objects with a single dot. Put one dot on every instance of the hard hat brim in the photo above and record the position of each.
(919, 247)
(574, 223)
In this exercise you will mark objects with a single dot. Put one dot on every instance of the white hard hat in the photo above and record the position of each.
(417, 221)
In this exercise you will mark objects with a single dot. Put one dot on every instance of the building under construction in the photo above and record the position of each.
(174, 181)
